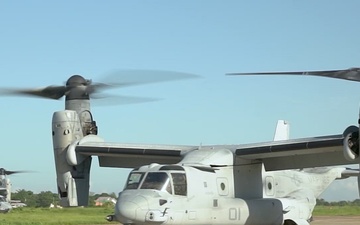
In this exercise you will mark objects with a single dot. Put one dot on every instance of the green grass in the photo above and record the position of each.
(65, 216)
(96, 215)
(337, 211)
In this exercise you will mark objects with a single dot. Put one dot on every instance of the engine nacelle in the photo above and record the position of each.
(351, 143)
(72, 180)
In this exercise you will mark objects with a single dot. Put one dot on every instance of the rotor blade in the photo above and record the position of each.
(125, 78)
(8, 172)
(52, 92)
(352, 74)
(78, 86)
(106, 100)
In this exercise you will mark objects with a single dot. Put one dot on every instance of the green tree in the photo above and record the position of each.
(113, 195)
(342, 203)
(27, 197)
(44, 199)
(322, 201)
(92, 199)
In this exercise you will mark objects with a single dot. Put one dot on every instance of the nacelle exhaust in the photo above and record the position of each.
(351, 143)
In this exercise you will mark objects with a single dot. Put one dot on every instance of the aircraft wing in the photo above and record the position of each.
(276, 155)
(133, 155)
(295, 153)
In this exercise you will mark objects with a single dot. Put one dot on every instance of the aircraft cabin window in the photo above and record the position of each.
(158, 181)
(134, 180)
(179, 181)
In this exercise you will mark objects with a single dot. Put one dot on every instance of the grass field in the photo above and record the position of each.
(96, 215)
(65, 216)
(337, 211)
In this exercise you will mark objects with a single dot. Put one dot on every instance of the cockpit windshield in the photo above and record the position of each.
(179, 181)
(173, 183)
(134, 180)
(158, 181)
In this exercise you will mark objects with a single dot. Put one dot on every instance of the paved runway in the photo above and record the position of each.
(336, 220)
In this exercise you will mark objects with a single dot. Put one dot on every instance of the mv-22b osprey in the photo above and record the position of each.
(5, 190)
(271, 183)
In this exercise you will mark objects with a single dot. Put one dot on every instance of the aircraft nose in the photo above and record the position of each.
(130, 209)
(126, 212)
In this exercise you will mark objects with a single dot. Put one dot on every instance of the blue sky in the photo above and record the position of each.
(44, 43)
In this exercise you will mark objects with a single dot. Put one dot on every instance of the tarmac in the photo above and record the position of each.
(336, 220)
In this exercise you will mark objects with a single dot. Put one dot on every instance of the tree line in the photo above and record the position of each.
(46, 198)
(322, 202)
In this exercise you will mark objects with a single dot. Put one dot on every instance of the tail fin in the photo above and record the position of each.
(282, 131)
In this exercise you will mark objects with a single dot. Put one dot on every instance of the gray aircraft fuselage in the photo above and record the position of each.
(208, 195)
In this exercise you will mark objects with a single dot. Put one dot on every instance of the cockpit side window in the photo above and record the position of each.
(134, 180)
(158, 181)
(180, 185)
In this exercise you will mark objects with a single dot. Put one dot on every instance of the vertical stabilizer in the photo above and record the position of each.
(282, 131)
